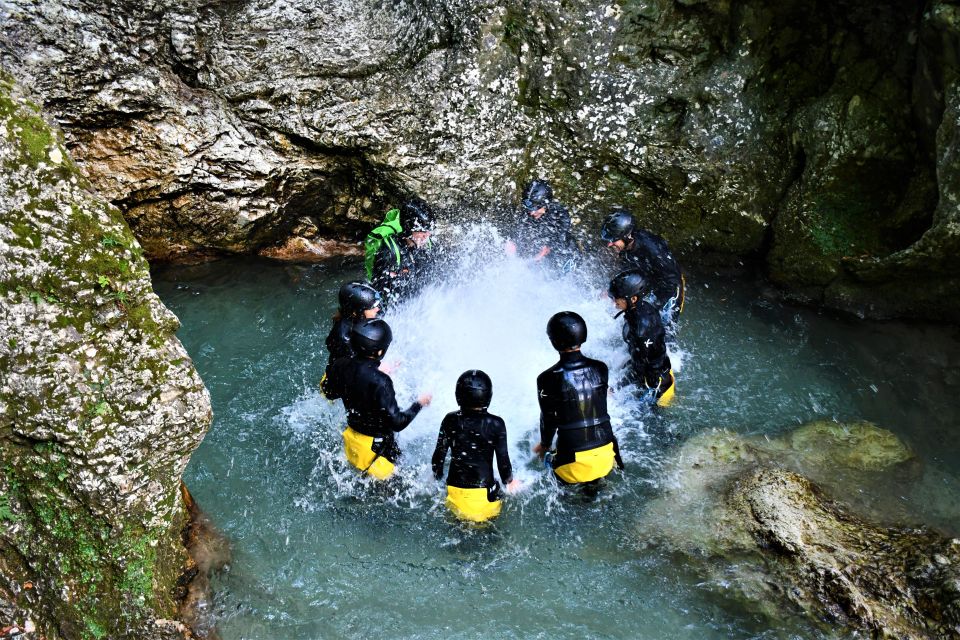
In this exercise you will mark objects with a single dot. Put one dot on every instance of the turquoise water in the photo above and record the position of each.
(318, 553)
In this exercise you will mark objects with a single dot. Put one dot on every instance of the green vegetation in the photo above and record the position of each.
(108, 571)
(5, 512)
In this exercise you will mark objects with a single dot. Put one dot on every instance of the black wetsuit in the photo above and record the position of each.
(573, 406)
(409, 266)
(553, 229)
(370, 401)
(338, 340)
(473, 436)
(646, 338)
(651, 255)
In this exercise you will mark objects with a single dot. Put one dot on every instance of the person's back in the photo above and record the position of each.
(368, 397)
(644, 333)
(473, 436)
(573, 407)
(373, 416)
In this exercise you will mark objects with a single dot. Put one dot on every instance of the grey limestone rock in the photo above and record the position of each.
(100, 406)
(816, 136)
(738, 509)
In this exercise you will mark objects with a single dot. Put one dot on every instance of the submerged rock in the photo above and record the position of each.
(859, 445)
(100, 405)
(771, 533)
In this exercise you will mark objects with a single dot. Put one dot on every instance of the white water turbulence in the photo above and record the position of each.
(489, 311)
(321, 552)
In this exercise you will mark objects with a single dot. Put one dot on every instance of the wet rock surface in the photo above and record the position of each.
(818, 136)
(100, 405)
(737, 507)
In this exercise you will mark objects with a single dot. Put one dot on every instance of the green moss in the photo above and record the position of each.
(26, 234)
(6, 513)
(108, 572)
(141, 318)
(34, 135)
(137, 579)
(96, 630)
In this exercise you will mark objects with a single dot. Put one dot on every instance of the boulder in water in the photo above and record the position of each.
(895, 582)
(773, 534)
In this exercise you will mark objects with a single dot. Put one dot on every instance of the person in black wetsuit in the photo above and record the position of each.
(573, 407)
(641, 249)
(402, 263)
(645, 337)
(373, 417)
(544, 231)
(358, 302)
(474, 436)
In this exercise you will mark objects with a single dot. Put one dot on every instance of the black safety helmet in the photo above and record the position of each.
(617, 226)
(537, 194)
(474, 390)
(416, 215)
(627, 284)
(357, 297)
(566, 330)
(371, 337)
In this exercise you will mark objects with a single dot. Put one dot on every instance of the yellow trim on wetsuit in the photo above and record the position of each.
(667, 396)
(472, 504)
(587, 465)
(683, 292)
(359, 450)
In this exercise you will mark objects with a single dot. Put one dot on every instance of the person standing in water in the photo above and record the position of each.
(544, 230)
(400, 251)
(358, 302)
(648, 252)
(474, 436)
(573, 407)
(373, 416)
(645, 337)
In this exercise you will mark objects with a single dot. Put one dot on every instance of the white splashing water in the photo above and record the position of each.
(489, 312)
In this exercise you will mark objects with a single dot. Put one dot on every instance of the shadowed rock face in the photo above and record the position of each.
(737, 508)
(100, 406)
(816, 135)
(895, 582)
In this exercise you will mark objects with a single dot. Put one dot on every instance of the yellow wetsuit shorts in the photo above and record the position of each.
(588, 465)
(472, 504)
(667, 396)
(360, 453)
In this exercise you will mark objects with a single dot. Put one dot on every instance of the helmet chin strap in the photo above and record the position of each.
(619, 313)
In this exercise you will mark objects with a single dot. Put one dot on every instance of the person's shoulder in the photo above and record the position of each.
(497, 420)
(341, 363)
(593, 362)
(647, 316)
(548, 373)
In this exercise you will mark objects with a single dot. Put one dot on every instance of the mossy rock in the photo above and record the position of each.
(100, 406)
(860, 445)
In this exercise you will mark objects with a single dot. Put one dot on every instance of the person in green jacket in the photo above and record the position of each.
(399, 250)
